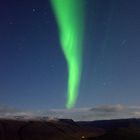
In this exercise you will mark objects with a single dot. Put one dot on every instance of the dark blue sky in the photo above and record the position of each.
(33, 70)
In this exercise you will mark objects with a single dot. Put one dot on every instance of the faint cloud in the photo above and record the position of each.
(102, 112)
(7, 111)
(136, 113)
(109, 108)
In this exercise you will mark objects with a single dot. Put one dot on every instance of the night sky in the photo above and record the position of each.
(33, 70)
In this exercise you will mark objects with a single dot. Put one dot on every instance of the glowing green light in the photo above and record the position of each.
(70, 18)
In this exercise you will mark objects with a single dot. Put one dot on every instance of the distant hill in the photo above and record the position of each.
(67, 129)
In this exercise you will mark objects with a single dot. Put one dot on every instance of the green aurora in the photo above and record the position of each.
(70, 19)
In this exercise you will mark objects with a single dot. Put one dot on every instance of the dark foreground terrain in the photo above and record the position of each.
(63, 129)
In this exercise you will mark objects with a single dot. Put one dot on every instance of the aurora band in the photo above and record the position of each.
(69, 15)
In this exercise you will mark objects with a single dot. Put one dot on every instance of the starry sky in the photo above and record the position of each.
(33, 70)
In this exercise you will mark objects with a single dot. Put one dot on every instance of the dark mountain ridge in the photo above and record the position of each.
(66, 129)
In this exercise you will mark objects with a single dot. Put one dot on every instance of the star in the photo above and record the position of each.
(52, 67)
(10, 22)
(34, 10)
(104, 83)
(123, 43)
(20, 49)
